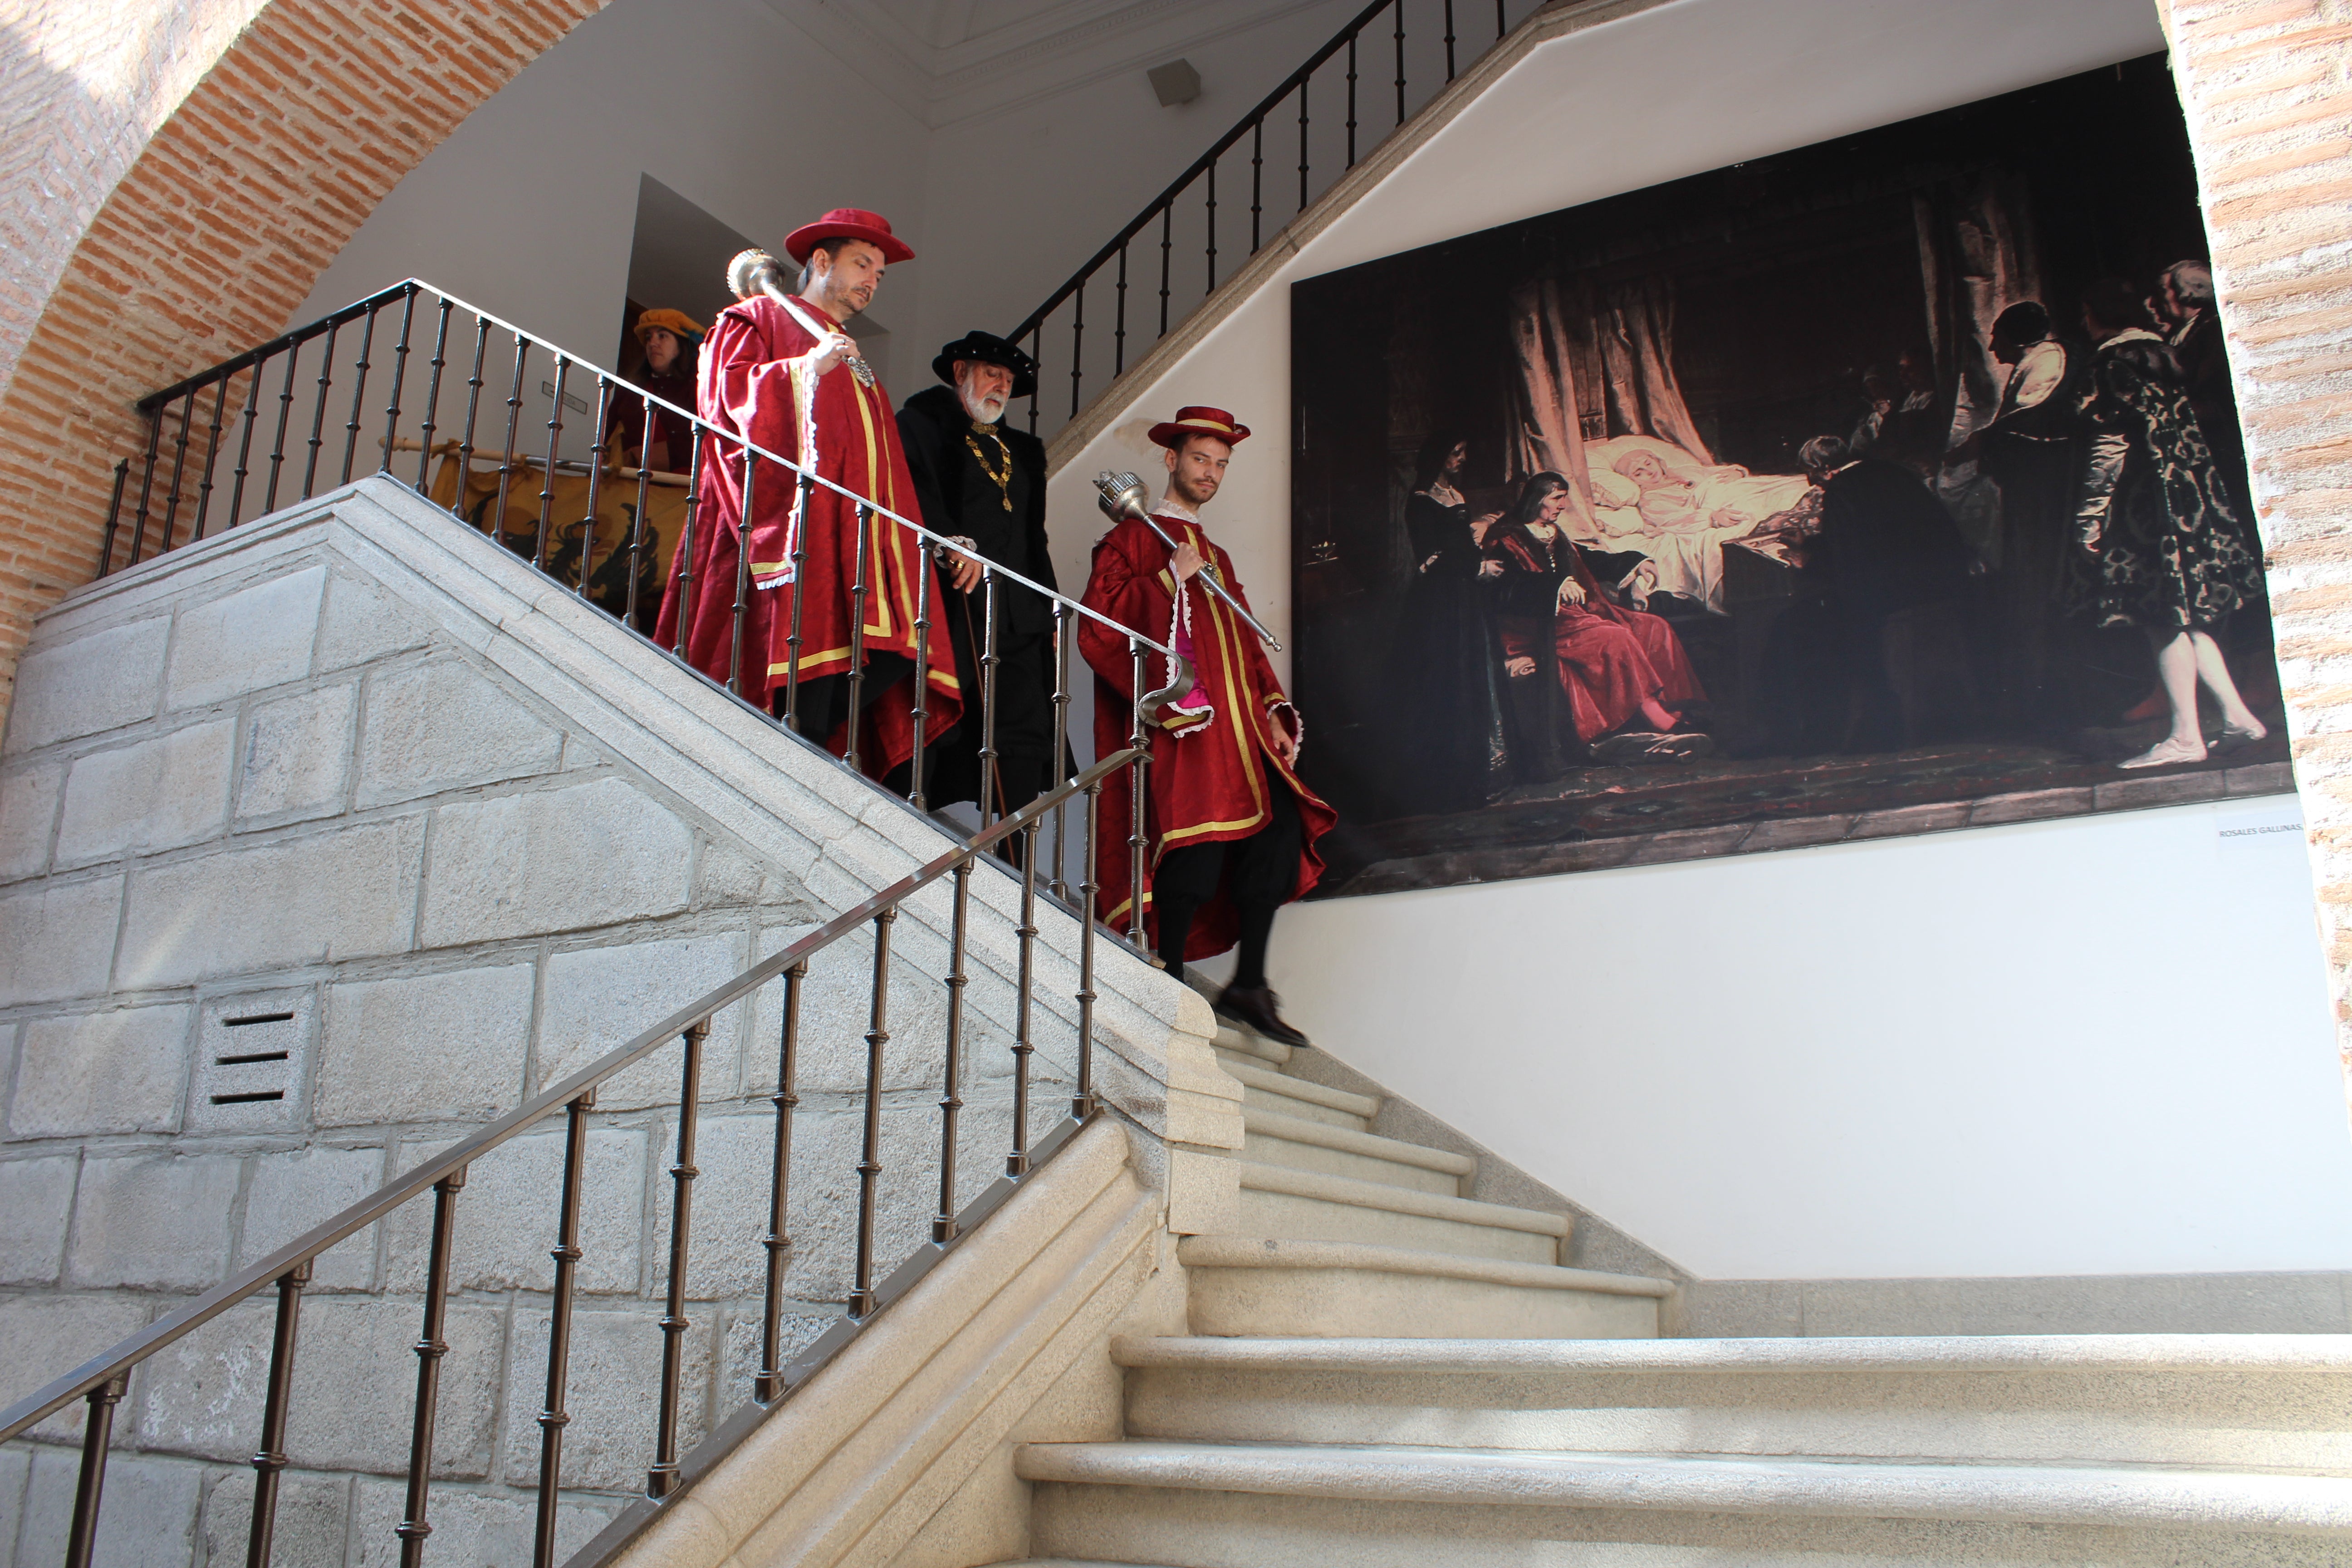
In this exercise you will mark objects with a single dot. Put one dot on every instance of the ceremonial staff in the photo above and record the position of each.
(1123, 495)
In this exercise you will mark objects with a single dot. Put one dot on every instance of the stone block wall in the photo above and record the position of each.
(310, 864)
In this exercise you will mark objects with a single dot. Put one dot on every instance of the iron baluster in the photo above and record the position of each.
(869, 1164)
(769, 1385)
(1302, 122)
(399, 374)
(992, 800)
(270, 1460)
(682, 558)
(1167, 231)
(1078, 348)
(1501, 26)
(1212, 228)
(1061, 745)
(98, 1429)
(113, 517)
(430, 1348)
(637, 523)
(1351, 117)
(1082, 1101)
(922, 671)
(179, 469)
(433, 404)
(1449, 40)
(1037, 346)
(1399, 61)
(553, 1415)
(497, 517)
(662, 1479)
(285, 417)
(858, 589)
(1118, 336)
(807, 484)
(943, 1224)
(473, 404)
(743, 577)
(245, 442)
(1016, 1164)
(359, 393)
(1257, 179)
(595, 480)
(554, 445)
(146, 485)
(318, 409)
(1142, 780)
(212, 456)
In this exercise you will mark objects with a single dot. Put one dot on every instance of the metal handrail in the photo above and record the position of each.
(180, 391)
(102, 1380)
(205, 437)
(1254, 125)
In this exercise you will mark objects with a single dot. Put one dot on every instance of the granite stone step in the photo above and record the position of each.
(1258, 1286)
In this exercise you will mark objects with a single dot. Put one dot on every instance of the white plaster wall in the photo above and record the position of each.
(2089, 1047)
(529, 209)
(1016, 201)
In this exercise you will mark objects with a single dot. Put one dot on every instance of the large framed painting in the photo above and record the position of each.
(1885, 486)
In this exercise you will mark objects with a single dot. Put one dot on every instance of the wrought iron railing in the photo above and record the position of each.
(101, 1384)
(272, 411)
(1375, 64)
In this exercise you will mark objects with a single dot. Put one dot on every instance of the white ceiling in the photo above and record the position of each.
(950, 60)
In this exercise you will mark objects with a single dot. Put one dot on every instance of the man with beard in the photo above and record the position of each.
(1231, 830)
(781, 373)
(983, 486)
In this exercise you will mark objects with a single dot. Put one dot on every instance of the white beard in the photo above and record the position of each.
(986, 410)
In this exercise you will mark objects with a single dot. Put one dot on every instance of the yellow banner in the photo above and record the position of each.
(616, 530)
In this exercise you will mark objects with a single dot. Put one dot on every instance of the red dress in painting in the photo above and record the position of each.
(1610, 656)
(1212, 757)
(746, 388)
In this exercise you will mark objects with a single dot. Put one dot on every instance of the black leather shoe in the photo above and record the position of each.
(1252, 1008)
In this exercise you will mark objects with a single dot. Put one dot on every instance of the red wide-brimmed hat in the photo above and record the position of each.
(1199, 420)
(854, 222)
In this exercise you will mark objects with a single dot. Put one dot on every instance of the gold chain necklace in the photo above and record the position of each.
(1003, 479)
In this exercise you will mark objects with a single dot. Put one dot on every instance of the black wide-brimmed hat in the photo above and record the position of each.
(988, 349)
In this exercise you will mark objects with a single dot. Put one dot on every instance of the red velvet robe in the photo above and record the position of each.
(1209, 775)
(1609, 656)
(746, 387)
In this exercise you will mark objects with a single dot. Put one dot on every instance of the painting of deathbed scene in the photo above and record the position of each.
(1885, 486)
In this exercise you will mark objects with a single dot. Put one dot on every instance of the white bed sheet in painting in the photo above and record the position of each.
(1682, 526)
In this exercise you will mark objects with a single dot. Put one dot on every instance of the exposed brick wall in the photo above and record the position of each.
(191, 170)
(2264, 83)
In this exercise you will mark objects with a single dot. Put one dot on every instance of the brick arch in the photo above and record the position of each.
(218, 229)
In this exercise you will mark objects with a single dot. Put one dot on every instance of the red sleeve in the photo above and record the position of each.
(1117, 589)
(750, 389)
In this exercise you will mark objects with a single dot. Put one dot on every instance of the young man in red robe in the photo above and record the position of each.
(1230, 831)
(784, 375)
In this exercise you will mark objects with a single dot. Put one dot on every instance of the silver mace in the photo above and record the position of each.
(1123, 495)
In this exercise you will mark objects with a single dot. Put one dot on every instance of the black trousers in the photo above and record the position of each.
(821, 705)
(1259, 873)
(1024, 729)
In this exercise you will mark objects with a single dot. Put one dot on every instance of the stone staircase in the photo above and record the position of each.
(1381, 1372)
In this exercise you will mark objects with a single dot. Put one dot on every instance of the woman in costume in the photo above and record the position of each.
(1446, 662)
(2161, 548)
(669, 338)
(1614, 667)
